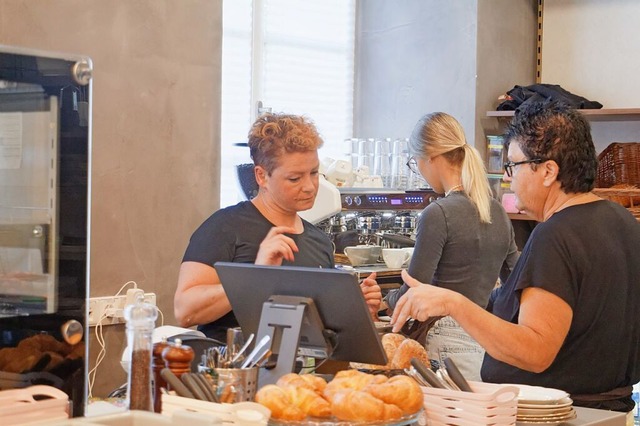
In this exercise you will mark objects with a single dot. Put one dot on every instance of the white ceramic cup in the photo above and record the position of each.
(410, 251)
(340, 174)
(395, 258)
(359, 255)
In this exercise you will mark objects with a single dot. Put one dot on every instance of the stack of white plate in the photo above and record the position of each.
(539, 405)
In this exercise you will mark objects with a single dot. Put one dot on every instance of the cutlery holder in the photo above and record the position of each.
(242, 381)
(488, 404)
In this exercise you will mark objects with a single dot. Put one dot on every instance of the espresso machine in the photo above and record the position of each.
(379, 216)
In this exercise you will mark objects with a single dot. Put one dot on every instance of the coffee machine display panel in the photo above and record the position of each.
(417, 200)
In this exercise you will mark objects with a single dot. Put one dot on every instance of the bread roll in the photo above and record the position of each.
(408, 349)
(391, 342)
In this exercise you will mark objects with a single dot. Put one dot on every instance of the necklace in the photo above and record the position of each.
(577, 199)
(452, 189)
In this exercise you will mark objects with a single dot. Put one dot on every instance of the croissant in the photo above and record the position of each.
(401, 391)
(349, 404)
(279, 402)
(318, 383)
(351, 379)
(309, 381)
(309, 402)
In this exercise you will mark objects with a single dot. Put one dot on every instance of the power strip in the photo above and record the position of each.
(112, 307)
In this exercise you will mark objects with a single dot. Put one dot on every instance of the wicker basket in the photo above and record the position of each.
(619, 163)
(627, 196)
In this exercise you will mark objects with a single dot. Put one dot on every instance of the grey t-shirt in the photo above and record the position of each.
(455, 250)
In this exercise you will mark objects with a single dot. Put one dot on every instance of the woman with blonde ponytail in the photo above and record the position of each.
(464, 240)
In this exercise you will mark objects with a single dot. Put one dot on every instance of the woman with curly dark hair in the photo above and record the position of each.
(567, 317)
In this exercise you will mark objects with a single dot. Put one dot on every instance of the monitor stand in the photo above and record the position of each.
(295, 327)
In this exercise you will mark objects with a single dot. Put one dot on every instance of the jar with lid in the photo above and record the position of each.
(141, 319)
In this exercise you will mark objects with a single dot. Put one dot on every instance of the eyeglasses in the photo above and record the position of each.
(412, 164)
(509, 165)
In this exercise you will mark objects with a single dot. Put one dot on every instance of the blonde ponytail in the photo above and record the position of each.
(439, 133)
(475, 182)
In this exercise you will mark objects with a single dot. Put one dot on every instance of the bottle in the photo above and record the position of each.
(141, 319)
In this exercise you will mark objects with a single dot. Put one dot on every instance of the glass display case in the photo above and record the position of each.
(45, 130)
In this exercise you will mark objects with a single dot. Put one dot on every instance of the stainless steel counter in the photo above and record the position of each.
(387, 278)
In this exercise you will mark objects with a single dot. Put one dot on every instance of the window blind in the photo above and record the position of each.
(304, 52)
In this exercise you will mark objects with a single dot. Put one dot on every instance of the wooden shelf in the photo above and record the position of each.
(519, 216)
(612, 114)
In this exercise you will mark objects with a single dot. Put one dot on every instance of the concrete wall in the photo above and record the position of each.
(506, 57)
(456, 56)
(590, 47)
(413, 58)
(156, 134)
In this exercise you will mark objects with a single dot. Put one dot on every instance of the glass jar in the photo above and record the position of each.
(141, 320)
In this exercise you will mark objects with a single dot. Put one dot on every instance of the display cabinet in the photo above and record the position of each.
(45, 130)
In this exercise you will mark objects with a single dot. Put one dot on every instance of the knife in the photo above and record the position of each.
(175, 383)
(205, 386)
(249, 360)
(456, 376)
(426, 373)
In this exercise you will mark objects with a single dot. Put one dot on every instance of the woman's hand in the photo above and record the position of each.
(420, 302)
(276, 246)
(372, 294)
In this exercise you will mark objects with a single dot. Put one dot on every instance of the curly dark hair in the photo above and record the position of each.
(554, 131)
(274, 134)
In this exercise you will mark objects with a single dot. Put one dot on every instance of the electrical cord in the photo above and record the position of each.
(315, 367)
(91, 376)
(135, 286)
(108, 313)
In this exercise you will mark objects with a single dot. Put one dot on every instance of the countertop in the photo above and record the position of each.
(387, 278)
(591, 417)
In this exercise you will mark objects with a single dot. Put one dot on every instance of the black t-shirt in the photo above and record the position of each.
(588, 255)
(234, 234)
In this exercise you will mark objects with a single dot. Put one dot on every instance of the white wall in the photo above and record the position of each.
(592, 48)
(419, 56)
